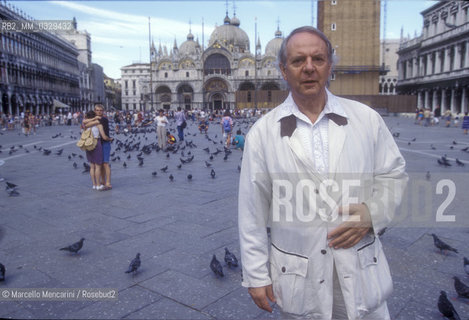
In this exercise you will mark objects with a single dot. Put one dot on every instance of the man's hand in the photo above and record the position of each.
(350, 232)
(260, 295)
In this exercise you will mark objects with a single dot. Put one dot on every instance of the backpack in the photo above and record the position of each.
(226, 125)
(87, 142)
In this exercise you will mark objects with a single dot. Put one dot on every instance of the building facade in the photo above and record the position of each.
(91, 74)
(225, 75)
(435, 65)
(388, 62)
(36, 68)
(353, 27)
(135, 86)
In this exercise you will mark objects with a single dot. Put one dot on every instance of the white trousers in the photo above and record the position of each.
(161, 133)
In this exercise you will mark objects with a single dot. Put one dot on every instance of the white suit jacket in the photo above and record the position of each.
(279, 188)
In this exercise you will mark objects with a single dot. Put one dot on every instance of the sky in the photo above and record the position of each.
(120, 29)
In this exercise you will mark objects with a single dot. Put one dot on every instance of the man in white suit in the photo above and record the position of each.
(325, 174)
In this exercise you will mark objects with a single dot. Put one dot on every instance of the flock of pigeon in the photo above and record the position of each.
(445, 306)
(140, 143)
(215, 265)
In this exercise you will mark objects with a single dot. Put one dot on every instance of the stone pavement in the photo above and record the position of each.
(177, 227)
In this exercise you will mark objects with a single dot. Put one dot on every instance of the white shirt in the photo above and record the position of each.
(315, 137)
(160, 121)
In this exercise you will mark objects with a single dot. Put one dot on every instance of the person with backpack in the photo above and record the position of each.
(227, 127)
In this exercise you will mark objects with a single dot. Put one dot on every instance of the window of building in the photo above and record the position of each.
(126, 84)
(126, 106)
(269, 96)
(333, 27)
(246, 73)
(187, 74)
(133, 71)
(135, 93)
(133, 83)
(165, 74)
(333, 2)
(126, 93)
(249, 96)
(269, 73)
(141, 71)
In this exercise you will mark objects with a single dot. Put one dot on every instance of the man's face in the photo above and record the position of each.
(99, 111)
(307, 67)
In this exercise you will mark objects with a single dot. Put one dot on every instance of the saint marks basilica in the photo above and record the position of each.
(225, 75)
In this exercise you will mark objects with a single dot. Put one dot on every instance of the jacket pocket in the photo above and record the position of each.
(374, 279)
(288, 272)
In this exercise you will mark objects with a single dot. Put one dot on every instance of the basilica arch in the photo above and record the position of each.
(163, 97)
(216, 94)
(185, 96)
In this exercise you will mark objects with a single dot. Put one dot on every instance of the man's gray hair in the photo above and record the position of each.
(282, 54)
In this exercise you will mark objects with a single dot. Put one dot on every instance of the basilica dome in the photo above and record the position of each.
(189, 47)
(273, 46)
(230, 35)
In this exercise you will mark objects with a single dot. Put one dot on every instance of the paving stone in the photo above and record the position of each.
(129, 301)
(167, 309)
(195, 293)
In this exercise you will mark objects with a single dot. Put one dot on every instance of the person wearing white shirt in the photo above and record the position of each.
(161, 122)
(324, 174)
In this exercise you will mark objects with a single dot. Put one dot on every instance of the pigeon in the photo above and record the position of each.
(140, 163)
(154, 173)
(69, 157)
(75, 165)
(413, 139)
(230, 259)
(466, 149)
(13, 193)
(216, 267)
(446, 307)
(459, 162)
(10, 186)
(171, 177)
(396, 134)
(124, 165)
(239, 168)
(179, 166)
(189, 177)
(207, 150)
(164, 169)
(74, 247)
(466, 265)
(461, 288)
(59, 152)
(134, 264)
(428, 175)
(2, 272)
(208, 164)
(441, 245)
(212, 174)
(433, 148)
(454, 142)
(167, 155)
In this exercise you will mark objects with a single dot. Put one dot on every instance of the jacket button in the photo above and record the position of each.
(374, 259)
(283, 269)
(323, 251)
